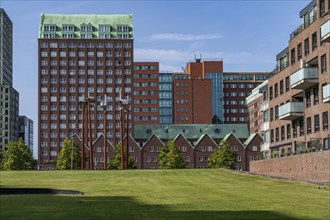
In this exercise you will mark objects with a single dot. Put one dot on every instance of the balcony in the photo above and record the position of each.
(325, 31)
(291, 111)
(326, 93)
(304, 78)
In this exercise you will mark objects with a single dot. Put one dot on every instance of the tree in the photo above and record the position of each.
(65, 156)
(223, 157)
(18, 156)
(114, 163)
(2, 158)
(170, 157)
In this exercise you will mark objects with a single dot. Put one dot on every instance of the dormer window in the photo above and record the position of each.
(122, 28)
(104, 28)
(86, 28)
(49, 27)
(67, 28)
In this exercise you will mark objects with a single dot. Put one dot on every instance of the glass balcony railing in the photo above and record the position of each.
(291, 111)
(304, 78)
(325, 31)
(326, 93)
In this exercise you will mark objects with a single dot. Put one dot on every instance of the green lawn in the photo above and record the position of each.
(162, 194)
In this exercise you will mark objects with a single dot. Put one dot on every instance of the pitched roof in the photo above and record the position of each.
(145, 143)
(230, 134)
(250, 138)
(180, 134)
(190, 131)
(202, 137)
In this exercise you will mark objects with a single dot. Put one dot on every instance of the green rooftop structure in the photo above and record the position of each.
(85, 26)
(190, 131)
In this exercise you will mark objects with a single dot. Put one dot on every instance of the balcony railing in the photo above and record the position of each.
(304, 78)
(291, 111)
(326, 93)
(303, 27)
(325, 31)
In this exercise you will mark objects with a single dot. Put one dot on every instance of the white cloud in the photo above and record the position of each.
(184, 37)
(173, 60)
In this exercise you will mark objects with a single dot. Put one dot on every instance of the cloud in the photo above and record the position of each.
(173, 60)
(184, 37)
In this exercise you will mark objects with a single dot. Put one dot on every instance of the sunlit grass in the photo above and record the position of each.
(162, 194)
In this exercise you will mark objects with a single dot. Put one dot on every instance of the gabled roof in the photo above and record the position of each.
(232, 134)
(151, 138)
(133, 140)
(184, 138)
(99, 138)
(202, 137)
(190, 131)
(250, 138)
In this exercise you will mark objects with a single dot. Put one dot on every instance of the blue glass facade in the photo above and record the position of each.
(166, 98)
(217, 97)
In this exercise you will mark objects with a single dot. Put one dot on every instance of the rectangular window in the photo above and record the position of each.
(316, 95)
(271, 113)
(325, 120)
(314, 41)
(276, 90)
(323, 63)
(270, 93)
(288, 131)
(282, 133)
(272, 135)
(316, 123)
(287, 84)
(276, 112)
(293, 56)
(294, 129)
(277, 134)
(308, 99)
(309, 125)
(306, 45)
(299, 51)
(281, 87)
(322, 8)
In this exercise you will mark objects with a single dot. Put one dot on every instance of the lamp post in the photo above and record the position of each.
(123, 107)
(83, 104)
(104, 106)
(71, 152)
(127, 115)
(90, 104)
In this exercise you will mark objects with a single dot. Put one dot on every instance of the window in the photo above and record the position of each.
(301, 127)
(309, 125)
(288, 131)
(203, 148)
(294, 129)
(325, 120)
(238, 158)
(276, 112)
(314, 41)
(287, 84)
(293, 56)
(282, 133)
(276, 90)
(272, 135)
(270, 93)
(323, 63)
(316, 123)
(277, 134)
(200, 159)
(322, 8)
(209, 148)
(254, 148)
(281, 87)
(299, 51)
(316, 95)
(271, 112)
(308, 99)
(306, 45)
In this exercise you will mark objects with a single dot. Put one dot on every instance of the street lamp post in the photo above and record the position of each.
(123, 107)
(127, 117)
(90, 104)
(104, 106)
(83, 104)
(71, 152)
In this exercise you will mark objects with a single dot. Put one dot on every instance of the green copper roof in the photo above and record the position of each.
(85, 19)
(251, 137)
(190, 131)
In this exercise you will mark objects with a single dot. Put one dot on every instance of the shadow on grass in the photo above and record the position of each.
(108, 207)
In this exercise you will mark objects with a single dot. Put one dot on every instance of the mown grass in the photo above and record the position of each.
(162, 194)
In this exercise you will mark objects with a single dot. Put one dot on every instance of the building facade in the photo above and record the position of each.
(166, 98)
(26, 131)
(146, 93)
(82, 58)
(9, 98)
(299, 88)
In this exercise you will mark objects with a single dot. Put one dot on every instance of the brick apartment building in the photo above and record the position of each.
(81, 58)
(298, 91)
(146, 92)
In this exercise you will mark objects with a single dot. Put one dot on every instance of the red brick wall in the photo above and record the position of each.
(310, 167)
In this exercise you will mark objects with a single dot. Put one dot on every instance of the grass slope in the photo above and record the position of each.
(162, 194)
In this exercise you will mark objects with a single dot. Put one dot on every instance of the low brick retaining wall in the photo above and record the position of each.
(309, 167)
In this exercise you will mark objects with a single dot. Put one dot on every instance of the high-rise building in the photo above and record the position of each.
(9, 96)
(146, 92)
(166, 97)
(82, 57)
(299, 88)
(26, 131)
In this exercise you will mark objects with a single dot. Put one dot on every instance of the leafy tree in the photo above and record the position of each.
(2, 158)
(64, 157)
(223, 157)
(170, 157)
(114, 163)
(18, 156)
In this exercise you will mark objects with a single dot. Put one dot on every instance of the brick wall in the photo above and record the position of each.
(310, 167)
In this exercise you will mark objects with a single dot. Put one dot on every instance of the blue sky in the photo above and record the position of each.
(247, 35)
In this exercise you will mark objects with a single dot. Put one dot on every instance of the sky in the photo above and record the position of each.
(246, 35)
